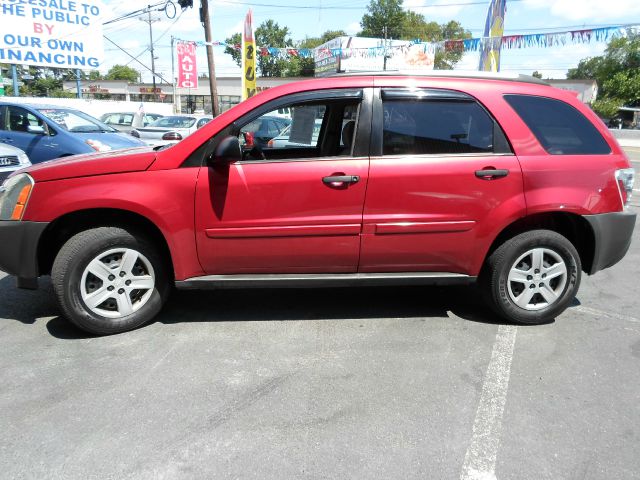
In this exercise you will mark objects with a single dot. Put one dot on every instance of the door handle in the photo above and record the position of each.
(491, 173)
(339, 180)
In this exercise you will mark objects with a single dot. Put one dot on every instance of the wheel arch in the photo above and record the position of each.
(570, 225)
(67, 225)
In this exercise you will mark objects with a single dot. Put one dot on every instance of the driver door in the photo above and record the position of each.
(278, 210)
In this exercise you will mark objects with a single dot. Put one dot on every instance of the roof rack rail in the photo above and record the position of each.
(513, 77)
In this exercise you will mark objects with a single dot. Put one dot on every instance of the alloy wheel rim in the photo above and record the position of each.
(117, 283)
(537, 279)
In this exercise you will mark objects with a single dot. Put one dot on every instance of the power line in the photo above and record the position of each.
(343, 7)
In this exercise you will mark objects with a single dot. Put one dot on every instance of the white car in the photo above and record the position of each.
(127, 121)
(11, 159)
(282, 140)
(170, 129)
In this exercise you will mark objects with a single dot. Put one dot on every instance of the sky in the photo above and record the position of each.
(310, 18)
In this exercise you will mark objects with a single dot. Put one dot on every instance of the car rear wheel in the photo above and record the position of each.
(109, 280)
(533, 277)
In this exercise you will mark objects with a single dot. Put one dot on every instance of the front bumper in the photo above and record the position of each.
(613, 233)
(19, 250)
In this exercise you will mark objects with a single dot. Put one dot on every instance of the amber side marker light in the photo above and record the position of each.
(18, 210)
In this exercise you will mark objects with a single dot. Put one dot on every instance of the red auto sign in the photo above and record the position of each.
(187, 71)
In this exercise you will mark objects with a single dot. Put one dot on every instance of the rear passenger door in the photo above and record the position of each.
(442, 182)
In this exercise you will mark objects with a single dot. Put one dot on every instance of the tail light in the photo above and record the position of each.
(270, 143)
(172, 136)
(625, 178)
(248, 139)
(135, 133)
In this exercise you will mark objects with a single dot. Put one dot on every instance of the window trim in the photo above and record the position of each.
(430, 94)
(363, 94)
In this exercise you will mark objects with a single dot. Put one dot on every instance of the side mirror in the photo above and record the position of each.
(227, 151)
(38, 130)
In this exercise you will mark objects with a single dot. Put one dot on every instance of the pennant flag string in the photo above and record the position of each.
(509, 42)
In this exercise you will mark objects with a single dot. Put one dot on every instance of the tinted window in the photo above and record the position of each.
(415, 127)
(19, 120)
(560, 128)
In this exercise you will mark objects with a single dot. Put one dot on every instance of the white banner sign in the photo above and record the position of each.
(52, 33)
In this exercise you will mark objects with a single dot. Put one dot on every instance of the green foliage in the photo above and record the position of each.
(607, 107)
(122, 72)
(415, 26)
(236, 54)
(269, 33)
(536, 74)
(384, 17)
(616, 71)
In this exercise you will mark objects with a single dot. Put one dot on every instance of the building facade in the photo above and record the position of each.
(184, 100)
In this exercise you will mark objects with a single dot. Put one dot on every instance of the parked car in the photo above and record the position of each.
(11, 159)
(458, 178)
(170, 129)
(283, 140)
(260, 131)
(45, 132)
(127, 121)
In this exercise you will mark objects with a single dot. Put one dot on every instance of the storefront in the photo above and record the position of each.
(191, 100)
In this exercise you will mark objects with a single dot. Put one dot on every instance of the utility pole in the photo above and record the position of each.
(153, 59)
(384, 52)
(206, 23)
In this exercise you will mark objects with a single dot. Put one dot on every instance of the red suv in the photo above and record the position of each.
(436, 179)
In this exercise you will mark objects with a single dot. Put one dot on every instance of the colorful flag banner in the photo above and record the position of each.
(187, 67)
(509, 42)
(249, 59)
(493, 30)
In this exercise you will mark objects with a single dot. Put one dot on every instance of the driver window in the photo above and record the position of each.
(304, 130)
(19, 120)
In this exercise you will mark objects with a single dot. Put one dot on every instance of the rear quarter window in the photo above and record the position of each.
(559, 127)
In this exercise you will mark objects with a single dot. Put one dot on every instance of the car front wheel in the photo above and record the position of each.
(533, 277)
(109, 280)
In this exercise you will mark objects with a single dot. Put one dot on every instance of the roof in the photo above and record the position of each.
(514, 77)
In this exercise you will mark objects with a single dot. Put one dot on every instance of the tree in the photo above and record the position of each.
(536, 74)
(270, 34)
(292, 66)
(122, 72)
(617, 73)
(305, 67)
(385, 18)
(232, 42)
(415, 26)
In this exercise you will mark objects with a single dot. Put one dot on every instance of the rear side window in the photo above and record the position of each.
(422, 127)
(559, 127)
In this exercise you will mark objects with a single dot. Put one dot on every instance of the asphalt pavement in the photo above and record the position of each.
(374, 383)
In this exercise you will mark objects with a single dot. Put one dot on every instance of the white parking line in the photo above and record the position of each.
(600, 313)
(480, 459)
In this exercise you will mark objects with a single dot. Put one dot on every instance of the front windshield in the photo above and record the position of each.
(174, 122)
(75, 121)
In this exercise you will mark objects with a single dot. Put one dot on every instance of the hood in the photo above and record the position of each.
(114, 139)
(120, 161)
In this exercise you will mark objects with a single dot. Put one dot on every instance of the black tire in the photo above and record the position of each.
(498, 290)
(76, 255)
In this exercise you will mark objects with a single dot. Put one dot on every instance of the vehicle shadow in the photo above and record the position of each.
(326, 304)
(26, 306)
(371, 303)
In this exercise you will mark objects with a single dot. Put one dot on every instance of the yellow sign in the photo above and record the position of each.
(248, 59)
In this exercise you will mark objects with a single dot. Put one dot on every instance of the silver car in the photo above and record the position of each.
(11, 159)
(170, 129)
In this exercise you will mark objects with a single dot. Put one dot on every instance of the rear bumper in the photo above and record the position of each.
(19, 250)
(613, 233)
